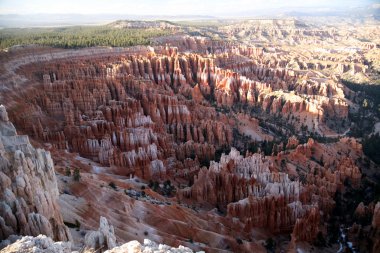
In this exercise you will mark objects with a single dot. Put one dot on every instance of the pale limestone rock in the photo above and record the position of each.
(29, 192)
(130, 247)
(39, 244)
(3, 114)
(43, 244)
(148, 247)
(104, 238)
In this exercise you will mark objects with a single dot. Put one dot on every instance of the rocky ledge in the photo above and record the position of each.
(42, 243)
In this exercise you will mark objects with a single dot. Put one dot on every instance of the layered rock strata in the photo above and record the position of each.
(29, 193)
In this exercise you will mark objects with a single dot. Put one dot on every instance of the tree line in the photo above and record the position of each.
(79, 36)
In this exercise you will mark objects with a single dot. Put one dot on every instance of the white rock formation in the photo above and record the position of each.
(28, 187)
(43, 244)
(148, 246)
(39, 244)
(102, 239)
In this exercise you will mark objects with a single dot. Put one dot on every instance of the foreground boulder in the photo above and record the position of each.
(44, 244)
(39, 244)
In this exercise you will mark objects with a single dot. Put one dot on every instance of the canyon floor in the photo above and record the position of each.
(246, 136)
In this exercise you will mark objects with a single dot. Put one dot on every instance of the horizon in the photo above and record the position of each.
(170, 7)
(42, 13)
(190, 126)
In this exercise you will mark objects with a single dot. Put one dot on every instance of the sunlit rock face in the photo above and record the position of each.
(29, 192)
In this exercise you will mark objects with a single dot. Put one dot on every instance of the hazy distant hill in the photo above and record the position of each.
(45, 20)
(360, 13)
(143, 24)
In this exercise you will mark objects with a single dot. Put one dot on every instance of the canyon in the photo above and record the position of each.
(201, 144)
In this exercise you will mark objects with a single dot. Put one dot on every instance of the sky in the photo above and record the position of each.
(164, 7)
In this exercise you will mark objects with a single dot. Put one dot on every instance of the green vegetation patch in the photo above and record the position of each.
(371, 147)
(79, 36)
(372, 92)
(370, 102)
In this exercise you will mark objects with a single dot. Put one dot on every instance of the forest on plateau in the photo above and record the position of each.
(78, 36)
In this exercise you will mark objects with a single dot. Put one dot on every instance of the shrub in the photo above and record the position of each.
(320, 240)
(76, 175)
(112, 185)
(270, 244)
(155, 186)
(77, 223)
(72, 225)
(167, 183)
